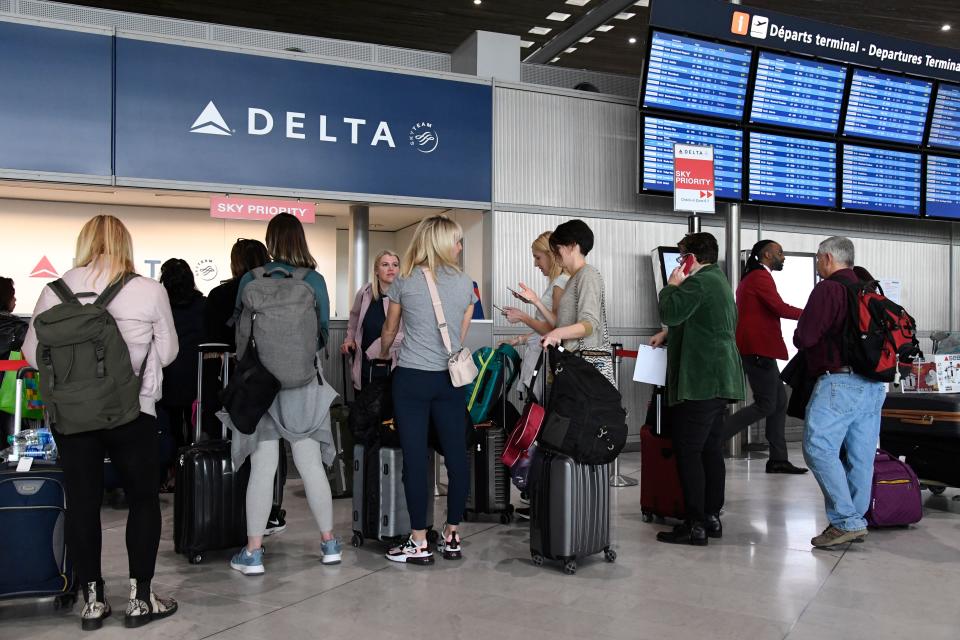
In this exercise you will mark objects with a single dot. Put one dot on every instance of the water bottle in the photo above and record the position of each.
(32, 437)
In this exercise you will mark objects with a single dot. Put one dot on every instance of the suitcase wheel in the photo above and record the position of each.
(610, 555)
(66, 601)
(506, 517)
(537, 558)
(356, 540)
(647, 516)
(570, 567)
(196, 558)
(937, 491)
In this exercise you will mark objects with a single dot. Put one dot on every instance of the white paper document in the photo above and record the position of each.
(651, 365)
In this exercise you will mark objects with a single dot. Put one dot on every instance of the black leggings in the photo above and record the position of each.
(133, 448)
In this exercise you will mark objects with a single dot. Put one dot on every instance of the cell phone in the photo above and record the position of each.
(499, 309)
(687, 264)
(516, 295)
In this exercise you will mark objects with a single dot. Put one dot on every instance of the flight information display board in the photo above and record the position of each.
(659, 136)
(881, 180)
(792, 171)
(943, 187)
(887, 107)
(797, 92)
(945, 127)
(696, 76)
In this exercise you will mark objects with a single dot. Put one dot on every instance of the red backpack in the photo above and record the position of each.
(880, 337)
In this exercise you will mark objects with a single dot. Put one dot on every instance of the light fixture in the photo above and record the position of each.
(540, 31)
(525, 44)
(477, 1)
(624, 16)
(945, 27)
(587, 39)
(605, 27)
(555, 59)
(632, 40)
(569, 49)
(578, 3)
(642, 3)
(558, 17)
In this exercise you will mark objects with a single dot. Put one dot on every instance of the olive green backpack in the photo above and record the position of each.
(87, 380)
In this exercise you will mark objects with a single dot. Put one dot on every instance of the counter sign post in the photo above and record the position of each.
(693, 178)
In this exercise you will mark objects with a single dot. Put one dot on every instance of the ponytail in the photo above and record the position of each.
(753, 262)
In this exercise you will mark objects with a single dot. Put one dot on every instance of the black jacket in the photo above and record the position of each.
(218, 311)
(180, 376)
(13, 330)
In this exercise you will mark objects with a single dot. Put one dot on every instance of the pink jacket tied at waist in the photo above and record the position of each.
(355, 331)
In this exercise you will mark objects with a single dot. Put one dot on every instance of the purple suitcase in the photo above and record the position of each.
(895, 495)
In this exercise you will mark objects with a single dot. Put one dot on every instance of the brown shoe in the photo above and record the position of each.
(833, 536)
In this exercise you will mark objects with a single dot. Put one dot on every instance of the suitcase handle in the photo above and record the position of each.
(924, 420)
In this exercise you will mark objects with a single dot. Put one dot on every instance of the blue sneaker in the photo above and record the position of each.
(247, 563)
(331, 551)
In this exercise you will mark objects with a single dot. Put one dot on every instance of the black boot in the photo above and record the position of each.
(713, 526)
(686, 533)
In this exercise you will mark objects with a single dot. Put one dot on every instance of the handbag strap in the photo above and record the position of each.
(438, 310)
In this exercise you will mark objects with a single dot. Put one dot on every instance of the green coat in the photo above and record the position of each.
(702, 358)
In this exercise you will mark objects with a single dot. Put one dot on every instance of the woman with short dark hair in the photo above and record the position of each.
(12, 329)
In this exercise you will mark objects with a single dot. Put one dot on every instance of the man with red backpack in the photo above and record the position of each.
(854, 340)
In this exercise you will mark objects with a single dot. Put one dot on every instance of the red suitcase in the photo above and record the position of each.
(661, 495)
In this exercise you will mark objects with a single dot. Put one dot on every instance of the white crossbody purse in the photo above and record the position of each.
(462, 369)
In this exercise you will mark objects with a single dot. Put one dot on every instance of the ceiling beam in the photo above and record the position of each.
(594, 18)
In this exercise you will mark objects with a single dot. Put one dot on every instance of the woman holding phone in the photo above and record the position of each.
(544, 320)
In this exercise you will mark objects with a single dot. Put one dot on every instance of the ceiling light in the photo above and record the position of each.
(555, 59)
(945, 27)
(540, 31)
(477, 1)
(632, 40)
(642, 3)
(624, 16)
(587, 39)
(525, 43)
(569, 49)
(558, 17)
(605, 28)
(578, 3)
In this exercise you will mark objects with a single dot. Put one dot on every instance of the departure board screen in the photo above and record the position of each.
(881, 180)
(887, 107)
(659, 136)
(945, 127)
(787, 170)
(696, 76)
(943, 187)
(797, 92)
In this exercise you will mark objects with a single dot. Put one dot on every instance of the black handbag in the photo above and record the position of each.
(250, 392)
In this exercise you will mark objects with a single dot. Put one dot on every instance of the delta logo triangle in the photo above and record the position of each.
(210, 122)
(44, 269)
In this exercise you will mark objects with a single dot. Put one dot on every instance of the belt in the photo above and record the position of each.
(839, 370)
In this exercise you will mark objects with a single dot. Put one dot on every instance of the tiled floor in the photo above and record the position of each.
(762, 580)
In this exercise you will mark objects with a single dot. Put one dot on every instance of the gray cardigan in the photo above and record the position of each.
(582, 301)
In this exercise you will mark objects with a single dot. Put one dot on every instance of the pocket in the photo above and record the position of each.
(846, 397)
(87, 405)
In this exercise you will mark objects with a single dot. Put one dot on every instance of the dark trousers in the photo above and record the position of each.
(133, 448)
(698, 442)
(770, 402)
(422, 398)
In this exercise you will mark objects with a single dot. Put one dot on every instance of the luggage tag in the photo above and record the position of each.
(24, 464)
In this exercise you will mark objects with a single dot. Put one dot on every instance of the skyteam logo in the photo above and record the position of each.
(424, 138)
(210, 122)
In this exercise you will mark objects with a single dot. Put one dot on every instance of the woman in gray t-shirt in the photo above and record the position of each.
(423, 395)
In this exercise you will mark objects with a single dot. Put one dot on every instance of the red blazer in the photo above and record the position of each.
(759, 309)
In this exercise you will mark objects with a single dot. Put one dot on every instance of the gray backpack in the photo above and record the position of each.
(87, 380)
(282, 314)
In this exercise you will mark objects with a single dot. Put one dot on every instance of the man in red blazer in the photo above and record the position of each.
(759, 309)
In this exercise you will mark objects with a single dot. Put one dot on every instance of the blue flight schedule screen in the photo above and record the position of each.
(660, 135)
(943, 187)
(787, 170)
(945, 127)
(887, 107)
(697, 76)
(796, 92)
(881, 180)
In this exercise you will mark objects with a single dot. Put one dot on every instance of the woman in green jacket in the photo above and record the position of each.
(703, 375)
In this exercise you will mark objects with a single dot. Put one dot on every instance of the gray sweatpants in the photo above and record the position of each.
(263, 467)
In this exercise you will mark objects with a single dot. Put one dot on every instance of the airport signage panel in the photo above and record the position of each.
(227, 208)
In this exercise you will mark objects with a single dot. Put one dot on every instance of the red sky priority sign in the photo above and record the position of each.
(693, 178)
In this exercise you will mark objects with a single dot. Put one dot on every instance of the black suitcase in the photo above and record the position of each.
(924, 428)
(210, 499)
(489, 477)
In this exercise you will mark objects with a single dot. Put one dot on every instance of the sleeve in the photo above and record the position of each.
(238, 305)
(395, 292)
(820, 315)
(46, 300)
(165, 341)
(562, 281)
(590, 301)
(354, 321)
(323, 309)
(766, 290)
(677, 304)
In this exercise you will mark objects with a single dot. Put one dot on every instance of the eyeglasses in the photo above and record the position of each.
(682, 257)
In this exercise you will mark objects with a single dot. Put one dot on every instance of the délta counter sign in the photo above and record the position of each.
(693, 178)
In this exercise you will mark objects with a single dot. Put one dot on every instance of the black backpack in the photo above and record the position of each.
(585, 419)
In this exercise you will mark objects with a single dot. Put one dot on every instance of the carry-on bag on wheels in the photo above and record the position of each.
(340, 472)
(34, 557)
(925, 429)
(895, 494)
(661, 495)
(210, 499)
(379, 502)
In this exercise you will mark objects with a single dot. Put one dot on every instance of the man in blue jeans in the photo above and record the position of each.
(844, 409)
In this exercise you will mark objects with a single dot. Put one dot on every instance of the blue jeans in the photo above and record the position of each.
(844, 410)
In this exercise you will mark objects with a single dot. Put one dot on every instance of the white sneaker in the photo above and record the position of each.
(411, 552)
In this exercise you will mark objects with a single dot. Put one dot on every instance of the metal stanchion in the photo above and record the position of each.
(616, 479)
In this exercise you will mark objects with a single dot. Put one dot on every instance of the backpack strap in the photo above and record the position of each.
(301, 273)
(60, 288)
(113, 289)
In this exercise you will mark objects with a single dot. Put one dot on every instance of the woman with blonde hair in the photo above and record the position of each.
(367, 316)
(142, 313)
(546, 306)
(422, 391)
